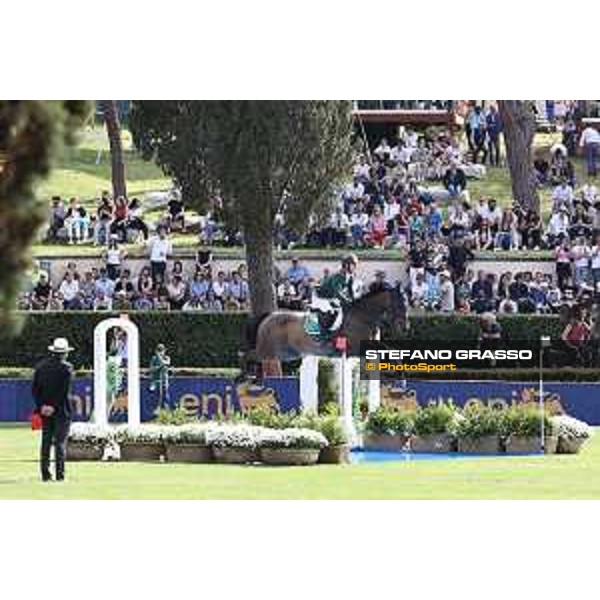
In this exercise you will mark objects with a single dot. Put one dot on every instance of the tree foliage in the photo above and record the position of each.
(257, 157)
(31, 135)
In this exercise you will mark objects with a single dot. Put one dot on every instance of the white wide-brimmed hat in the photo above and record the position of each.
(60, 345)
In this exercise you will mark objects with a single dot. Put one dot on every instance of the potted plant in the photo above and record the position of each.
(571, 433)
(291, 446)
(521, 429)
(432, 428)
(187, 443)
(388, 428)
(234, 444)
(479, 431)
(337, 450)
(141, 443)
(86, 441)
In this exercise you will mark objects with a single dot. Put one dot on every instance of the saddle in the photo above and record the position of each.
(323, 326)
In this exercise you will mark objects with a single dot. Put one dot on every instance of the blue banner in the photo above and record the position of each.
(210, 397)
(580, 400)
(206, 397)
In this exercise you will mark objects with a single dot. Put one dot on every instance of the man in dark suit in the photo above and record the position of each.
(51, 390)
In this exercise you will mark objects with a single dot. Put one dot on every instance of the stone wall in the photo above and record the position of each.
(395, 269)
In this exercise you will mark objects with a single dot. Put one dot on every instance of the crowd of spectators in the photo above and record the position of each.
(411, 193)
(112, 218)
(159, 285)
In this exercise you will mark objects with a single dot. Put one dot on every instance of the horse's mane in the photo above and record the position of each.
(370, 295)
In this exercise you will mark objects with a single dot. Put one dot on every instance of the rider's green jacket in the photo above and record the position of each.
(338, 286)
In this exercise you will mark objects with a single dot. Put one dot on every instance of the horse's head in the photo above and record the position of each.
(398, 307)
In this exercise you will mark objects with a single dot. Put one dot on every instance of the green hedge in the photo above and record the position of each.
(214, 339)
(193, 339)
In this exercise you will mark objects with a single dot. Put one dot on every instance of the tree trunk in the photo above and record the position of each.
(519, 129)
(258, 237)
(113, 129)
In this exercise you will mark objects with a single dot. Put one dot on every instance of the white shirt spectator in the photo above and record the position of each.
(418, 292)
(113, 257)
(581, 255)
(447, 296)
(562, 196)
(595, 257)
(160, 249)
(359, 218)
(589, 136)
(589, 192)
(220, 288)
(559, 223)
(69, 289)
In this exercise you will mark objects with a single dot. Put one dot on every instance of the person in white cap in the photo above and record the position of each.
(51, 389)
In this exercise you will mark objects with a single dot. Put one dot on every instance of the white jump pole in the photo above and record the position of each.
(374, 389)
(346, 384)
(309, 389)
(133, 370)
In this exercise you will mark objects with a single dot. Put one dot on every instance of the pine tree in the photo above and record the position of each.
(258, 157)
(32, 133)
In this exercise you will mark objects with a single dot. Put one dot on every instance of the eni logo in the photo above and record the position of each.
(249, 397)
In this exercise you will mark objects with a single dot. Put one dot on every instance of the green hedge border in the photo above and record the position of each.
(213, 340)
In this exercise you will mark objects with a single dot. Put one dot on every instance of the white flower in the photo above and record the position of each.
(89, 433)
(571, 428)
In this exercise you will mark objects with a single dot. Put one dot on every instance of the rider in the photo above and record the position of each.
(335, 294)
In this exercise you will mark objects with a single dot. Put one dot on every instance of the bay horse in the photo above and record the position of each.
(281, 335)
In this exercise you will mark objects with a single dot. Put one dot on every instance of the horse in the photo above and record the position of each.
(281, 335)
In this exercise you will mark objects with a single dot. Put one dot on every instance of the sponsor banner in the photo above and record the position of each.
(580, 400)
(205, 397)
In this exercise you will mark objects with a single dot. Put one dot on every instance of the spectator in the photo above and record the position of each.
(175, 215)
(590, 143)
(494, 130)
(220, 287)
(113, 258)
(58, 214)
(76, 222)
(176, 290)
(239, 291)
(104, 286)
(297, 272)
(69, 290)
(41, 293)
(118, 226)
(446, 293)
(104, 215)
(160, 250)
(455, 181)
(135, 220)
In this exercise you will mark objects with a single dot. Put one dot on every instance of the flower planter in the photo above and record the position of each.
(78, 451)
(235, 456)
(570, 445)
(488, 444)
(439, 442)
(551, 444)
(335, 455)
(384, 442)
(141, 451)
(188, 453)
(289, 456)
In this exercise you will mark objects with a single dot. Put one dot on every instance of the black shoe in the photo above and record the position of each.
(46, 478)
(60, 478)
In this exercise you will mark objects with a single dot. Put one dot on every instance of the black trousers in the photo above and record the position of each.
(55, 430)
(158, 271)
